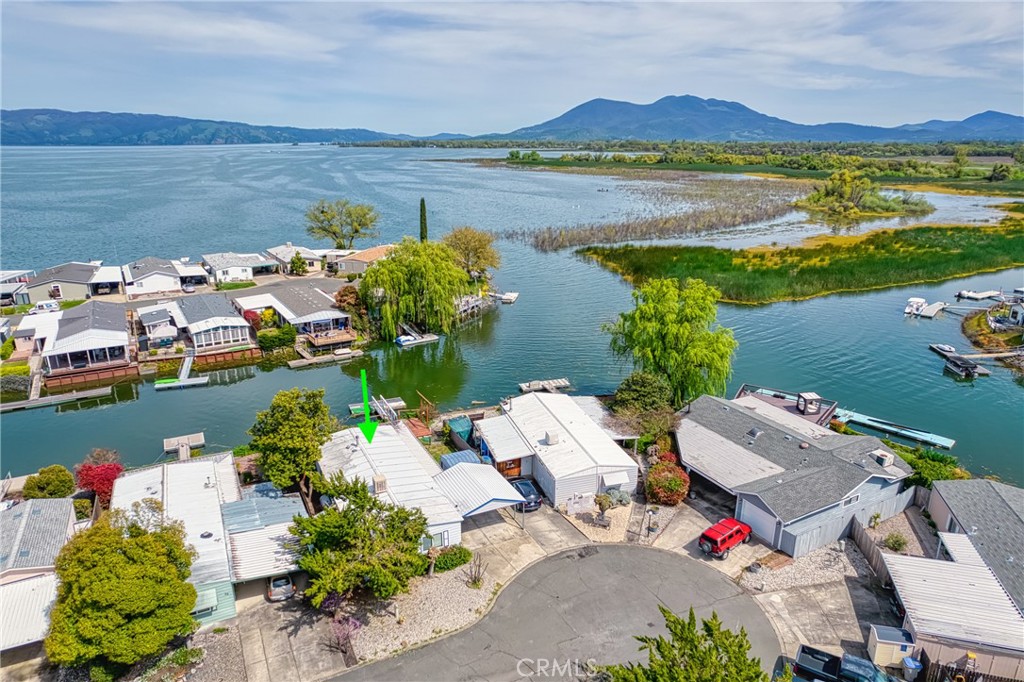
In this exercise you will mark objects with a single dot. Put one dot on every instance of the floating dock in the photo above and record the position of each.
(946, 355)
(978, 295)
(192, 440)
(550, 385)
(932, 309)
(395, 404)
(59, 399)
(324, 359)
(850, 417)
(182, 381)
(507, 297)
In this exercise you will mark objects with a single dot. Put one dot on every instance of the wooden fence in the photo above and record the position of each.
(869, 548)
(937, 672)
(922, 496)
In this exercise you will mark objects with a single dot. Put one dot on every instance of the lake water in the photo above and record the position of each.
(118, 204)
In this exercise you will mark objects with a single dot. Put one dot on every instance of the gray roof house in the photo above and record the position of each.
(797, 484)
(991, 514)
(94, 334)
(238, 267)
(31, 536)
(211, 320)
(284, 253)
(73, 281)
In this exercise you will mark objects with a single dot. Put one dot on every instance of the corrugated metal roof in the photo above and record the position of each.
(582, 445)
(602, 416)
(961, 549)
(25, 616)
(958, 601)
(33, 532)
(453, 458)
(262, 553)
(409, 482)
(192, 492)
(258, 512)
(477, 488)
(504, 442)
(106, 274)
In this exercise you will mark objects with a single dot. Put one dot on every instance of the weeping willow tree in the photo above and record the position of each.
(672, 332)
(418, 283)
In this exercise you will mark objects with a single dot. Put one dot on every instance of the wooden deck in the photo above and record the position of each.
(58, 399)
(308, 360)
(331, 338)
(550, 385)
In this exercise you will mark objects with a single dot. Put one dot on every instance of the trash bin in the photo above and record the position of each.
(911, 667)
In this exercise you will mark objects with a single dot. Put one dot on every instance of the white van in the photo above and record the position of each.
(45, 307)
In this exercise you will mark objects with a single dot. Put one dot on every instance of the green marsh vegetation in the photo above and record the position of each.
(830, 264)
(849, 196)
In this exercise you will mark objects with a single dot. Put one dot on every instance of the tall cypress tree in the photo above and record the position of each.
(423, 219)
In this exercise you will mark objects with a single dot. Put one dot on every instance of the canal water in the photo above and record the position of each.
(120, 204)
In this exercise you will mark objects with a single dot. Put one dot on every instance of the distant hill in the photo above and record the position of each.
(56, 127)
(670, 118)
(692, 118)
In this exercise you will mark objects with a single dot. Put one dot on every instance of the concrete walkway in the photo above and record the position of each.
(580, 604)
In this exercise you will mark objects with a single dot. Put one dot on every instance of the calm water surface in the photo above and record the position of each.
(119, 204)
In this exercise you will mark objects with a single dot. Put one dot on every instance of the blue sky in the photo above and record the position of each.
(478, 67)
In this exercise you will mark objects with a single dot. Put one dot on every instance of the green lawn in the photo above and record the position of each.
(829, 264)
(229, 286)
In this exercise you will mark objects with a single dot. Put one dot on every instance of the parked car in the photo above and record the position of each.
(816, 665)
(44, 307)
(280, 588)
(723, 536)
(188, 288)
(529, 492)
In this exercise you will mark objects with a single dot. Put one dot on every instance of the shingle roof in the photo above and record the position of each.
(305, 300)
(199, 307)
(92, 315)
(823, 473)
(992, 514)
(80, 273)
(147, 266)
(33, 532)
(151, 317)
(371, 254)
(230, 259)
(286, 252)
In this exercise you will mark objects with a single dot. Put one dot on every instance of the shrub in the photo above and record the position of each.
(15, 383)
(667, 484)
(350, 278)
(49, 482)
(102, 456)
(895, 541)
(153, 351)
(603, 502)
(242, 451)
(668, 456)
(272, 339)
(642, 391)
(99, 478)
(452, 557)
(185, 656)
(83, 509)
(254, 319)
(7, 348)
(15, 369)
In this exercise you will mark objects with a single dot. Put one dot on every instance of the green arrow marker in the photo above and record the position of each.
(367, 426)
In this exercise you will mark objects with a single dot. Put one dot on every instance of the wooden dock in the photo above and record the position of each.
(981, 371)
(324, 359)
(59, 399)
(917, 435)
(394, 403)
(978, 295)
(932, 309)
(549, 385)
(191, 440)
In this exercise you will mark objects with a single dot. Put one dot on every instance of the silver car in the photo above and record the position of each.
(280, 588)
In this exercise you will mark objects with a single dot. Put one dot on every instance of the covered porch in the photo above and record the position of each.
(330, 329)
(92, 358)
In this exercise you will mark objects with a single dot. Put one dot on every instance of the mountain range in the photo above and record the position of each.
(670, 118)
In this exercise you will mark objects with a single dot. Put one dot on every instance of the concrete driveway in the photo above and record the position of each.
(682, 533)
(580, 604)
(286, 641)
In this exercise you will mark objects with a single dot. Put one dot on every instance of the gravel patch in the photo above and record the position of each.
(433, 606)
(825, 565)
(662, 516)
(901, 524)
(616, 532)
(222, 656)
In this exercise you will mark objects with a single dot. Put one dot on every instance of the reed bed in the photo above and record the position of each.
(830, 264)
(691, 205)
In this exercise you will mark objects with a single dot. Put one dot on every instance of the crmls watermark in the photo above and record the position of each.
(573, 668)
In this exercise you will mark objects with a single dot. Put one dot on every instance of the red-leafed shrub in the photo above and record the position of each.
(668, 456)
(99, 478)
(253, 318)
(667, 484)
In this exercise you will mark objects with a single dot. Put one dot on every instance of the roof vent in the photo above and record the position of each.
(380, 484)
(209, 483)
(24, 552)
(551, 437)
(804, 446)
(206, 535)
(754, 433)
(788, 437)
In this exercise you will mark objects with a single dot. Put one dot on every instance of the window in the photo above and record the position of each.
(850, 500)
(953, 526)
(55, 291)
(438, 540)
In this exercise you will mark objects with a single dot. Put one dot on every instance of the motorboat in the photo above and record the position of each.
(945, 348)
(915, 305)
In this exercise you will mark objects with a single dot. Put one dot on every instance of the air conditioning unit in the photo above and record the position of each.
(380, 484)
(883, 458)
(551, 438)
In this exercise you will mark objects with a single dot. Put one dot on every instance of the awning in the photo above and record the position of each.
(614, 478)
(164, 331)
(476, 488)
(205, 599)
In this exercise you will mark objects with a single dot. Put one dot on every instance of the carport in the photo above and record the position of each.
(477, 489)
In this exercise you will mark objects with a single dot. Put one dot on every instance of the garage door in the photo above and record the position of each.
(761, 522)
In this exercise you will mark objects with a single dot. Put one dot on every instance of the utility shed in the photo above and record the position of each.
(572, 454)
(477, 488)
(954, 607)
(192, 491)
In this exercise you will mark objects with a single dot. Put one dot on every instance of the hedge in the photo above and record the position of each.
(271, 339)
(452, 557)
(667, 484)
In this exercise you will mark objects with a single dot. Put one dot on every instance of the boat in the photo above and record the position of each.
(509, 297)
(407, 340)
(962, 367)
(915, 305)
(945, 348)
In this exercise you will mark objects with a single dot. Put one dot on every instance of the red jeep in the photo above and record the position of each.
(723, 536)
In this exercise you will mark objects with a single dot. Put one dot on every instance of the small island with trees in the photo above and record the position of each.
(850, 196)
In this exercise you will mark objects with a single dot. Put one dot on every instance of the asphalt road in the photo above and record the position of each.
(586, 603)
